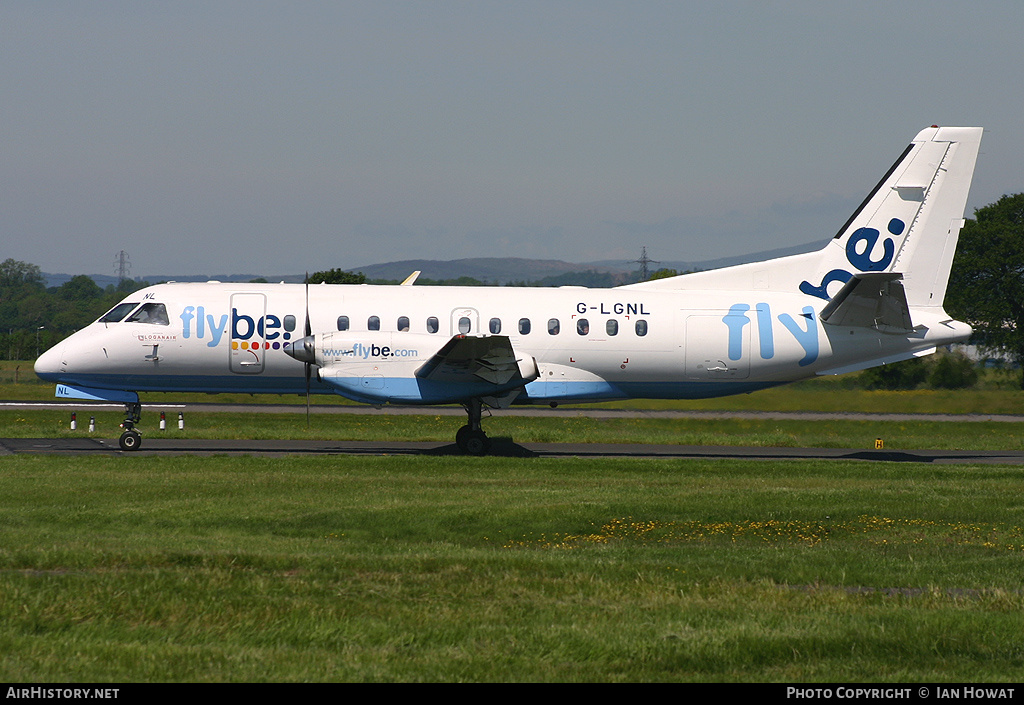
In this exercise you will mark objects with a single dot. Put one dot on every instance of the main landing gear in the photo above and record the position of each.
(131, 439)
(471, 438)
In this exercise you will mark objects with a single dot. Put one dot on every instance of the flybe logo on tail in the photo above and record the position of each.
(860, 250)
(195, 321)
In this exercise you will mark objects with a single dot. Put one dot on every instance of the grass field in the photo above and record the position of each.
(420, 569)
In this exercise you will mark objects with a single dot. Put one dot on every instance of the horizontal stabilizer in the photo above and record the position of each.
(870, 300)
(887, 360)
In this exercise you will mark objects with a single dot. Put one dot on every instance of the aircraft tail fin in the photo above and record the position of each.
(909, 223)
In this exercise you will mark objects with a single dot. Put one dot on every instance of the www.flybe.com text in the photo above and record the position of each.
(367, 351)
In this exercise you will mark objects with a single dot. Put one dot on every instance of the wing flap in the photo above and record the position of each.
(488, 358)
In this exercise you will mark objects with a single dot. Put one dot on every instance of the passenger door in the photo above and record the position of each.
(248, 348)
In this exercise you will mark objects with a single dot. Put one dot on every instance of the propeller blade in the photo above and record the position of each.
(309, 365)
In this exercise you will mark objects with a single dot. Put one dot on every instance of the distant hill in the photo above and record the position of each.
(492, 270)
(104, 280)
(501, 270)
(720, 262)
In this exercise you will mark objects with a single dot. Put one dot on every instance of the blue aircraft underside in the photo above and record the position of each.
(405, 390)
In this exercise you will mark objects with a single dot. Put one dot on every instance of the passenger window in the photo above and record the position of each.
(553, 326)
(117, 313)
(373, 323)
(465, 325)
(289, 323)
(432, 325)
(154, 314)
(524, 326)
(583, 326)
(612, 327)
(494, 326)
(342, 322)
(403, 324)
(641, 327)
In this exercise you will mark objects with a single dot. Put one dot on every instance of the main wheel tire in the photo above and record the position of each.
(477, 443)
(460, 438)
(130, 440)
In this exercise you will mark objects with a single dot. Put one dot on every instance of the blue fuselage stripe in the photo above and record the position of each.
(403, 390)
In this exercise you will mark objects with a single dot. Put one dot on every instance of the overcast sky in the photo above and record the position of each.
(281, 137)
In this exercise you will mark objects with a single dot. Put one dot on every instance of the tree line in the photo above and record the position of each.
(986, 285)
(34, 317)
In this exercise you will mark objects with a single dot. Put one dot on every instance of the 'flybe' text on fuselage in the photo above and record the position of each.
(806, 336)
(195, 321)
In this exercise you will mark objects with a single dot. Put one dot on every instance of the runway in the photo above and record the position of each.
(502, 447)
(153, 444)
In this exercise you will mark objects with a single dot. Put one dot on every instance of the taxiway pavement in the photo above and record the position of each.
(502, 447)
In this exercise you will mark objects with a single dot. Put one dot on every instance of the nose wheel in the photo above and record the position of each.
(131, 439)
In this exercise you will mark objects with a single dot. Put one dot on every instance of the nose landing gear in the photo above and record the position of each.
(131, 439)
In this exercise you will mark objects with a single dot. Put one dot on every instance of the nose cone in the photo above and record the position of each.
(51, 364)
(302, 350)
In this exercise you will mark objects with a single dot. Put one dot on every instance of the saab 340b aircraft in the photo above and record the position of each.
(873, 295)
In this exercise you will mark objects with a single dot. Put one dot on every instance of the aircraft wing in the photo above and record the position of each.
(388, 367)
(871, 300)
(489, 358)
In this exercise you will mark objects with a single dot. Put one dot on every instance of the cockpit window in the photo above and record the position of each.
(154, 314)
(117, 313)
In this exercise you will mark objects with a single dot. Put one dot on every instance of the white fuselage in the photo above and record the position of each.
(587, 344)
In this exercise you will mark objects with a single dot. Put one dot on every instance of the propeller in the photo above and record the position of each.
(304, 350)
(308, 363)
